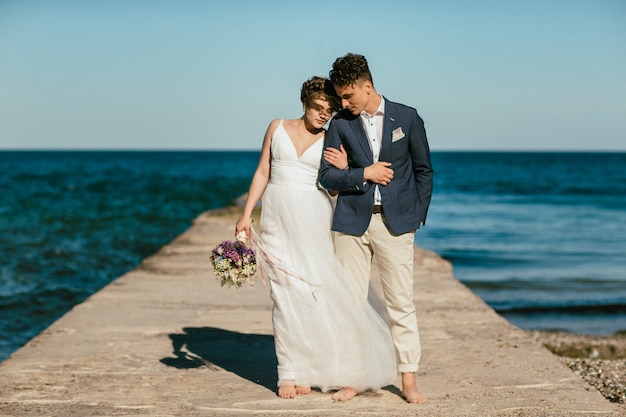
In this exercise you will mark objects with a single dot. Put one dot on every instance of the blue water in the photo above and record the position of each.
(539, 236)
(71, 222)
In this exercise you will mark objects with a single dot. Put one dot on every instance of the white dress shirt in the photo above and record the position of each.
(373, 124)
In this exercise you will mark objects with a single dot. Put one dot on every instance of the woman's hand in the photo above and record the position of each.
(337, 158)
(242, 228)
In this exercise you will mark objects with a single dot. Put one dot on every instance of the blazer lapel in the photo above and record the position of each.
(359, 131)
(389, 124)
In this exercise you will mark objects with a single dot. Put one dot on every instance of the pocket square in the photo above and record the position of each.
(397, 134)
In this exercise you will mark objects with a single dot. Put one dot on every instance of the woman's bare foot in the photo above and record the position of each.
(290, 390)
(409, 389)
(303, 389)
(287, 391)
(345, 394)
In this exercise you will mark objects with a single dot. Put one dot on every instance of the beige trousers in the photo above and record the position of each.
(394, 255)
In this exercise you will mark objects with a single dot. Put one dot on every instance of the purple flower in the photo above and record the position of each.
(234, 263)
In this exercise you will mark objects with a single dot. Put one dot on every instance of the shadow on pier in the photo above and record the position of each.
(251, 356)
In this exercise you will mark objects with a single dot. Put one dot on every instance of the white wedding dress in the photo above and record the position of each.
(326, 335)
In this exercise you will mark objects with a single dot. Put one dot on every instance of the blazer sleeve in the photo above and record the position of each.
(422, 167)
(343, 180)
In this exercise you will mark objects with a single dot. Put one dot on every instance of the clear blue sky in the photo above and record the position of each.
(493, 75)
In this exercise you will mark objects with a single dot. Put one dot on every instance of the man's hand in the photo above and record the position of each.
(378, 173)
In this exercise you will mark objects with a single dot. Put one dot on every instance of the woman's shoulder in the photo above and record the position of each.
(291, 122)
(271, 128)
(275, 123)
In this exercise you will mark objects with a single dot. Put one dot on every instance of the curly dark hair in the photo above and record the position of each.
(348, 69)
(319, 88)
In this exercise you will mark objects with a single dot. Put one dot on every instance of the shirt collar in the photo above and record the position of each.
(380, 111)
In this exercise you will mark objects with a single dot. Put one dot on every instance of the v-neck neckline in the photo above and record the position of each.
(293, 145)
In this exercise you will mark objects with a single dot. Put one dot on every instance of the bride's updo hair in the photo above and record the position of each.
(319, 88)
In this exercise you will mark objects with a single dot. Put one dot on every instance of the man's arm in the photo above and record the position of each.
(422, 167)
(332, 178)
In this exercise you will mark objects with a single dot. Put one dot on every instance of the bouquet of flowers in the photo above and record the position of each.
(234, 263)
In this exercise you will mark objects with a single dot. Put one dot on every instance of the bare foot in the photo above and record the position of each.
(303, 389)
(345, 394)
(409, 389)
(287, 391)
(290, 391)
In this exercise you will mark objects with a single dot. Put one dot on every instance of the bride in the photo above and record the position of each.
(326, 335)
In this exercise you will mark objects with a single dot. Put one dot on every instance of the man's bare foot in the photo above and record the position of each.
(409, 389)
(303, 389)
(345, 394)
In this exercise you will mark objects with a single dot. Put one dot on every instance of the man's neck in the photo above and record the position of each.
(372, 106)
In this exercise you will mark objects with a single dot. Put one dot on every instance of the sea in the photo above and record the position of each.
(539, 236)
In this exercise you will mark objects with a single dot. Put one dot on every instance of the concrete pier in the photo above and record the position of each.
(166, 340)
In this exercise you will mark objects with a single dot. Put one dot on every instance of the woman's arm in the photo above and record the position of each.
(259, 182)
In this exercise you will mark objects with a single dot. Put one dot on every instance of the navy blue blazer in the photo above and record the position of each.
(406, 198)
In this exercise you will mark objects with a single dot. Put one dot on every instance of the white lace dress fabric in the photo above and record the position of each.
(326, 335)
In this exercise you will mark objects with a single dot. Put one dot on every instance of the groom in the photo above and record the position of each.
(384, 194)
